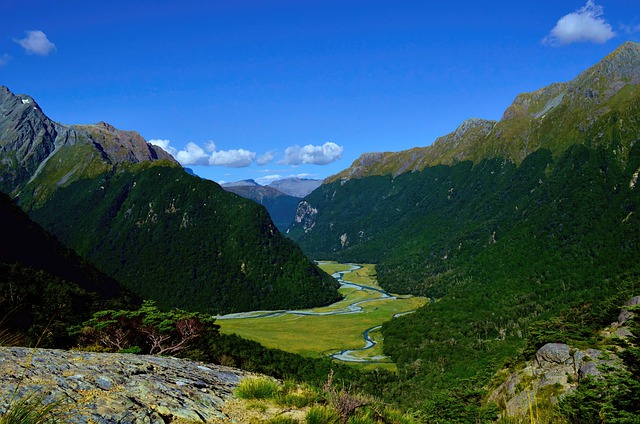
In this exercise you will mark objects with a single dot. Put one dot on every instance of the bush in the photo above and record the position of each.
(283, 419)
(322, 415)
(257, 388)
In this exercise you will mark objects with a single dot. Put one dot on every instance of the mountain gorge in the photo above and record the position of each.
(505, 225)
(282, 207)
(130, 208)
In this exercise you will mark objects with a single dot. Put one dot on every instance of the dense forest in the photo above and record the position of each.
(46, 287)
(184, 242)
(499, 247)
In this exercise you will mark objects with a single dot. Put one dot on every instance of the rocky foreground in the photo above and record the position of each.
(118, 388)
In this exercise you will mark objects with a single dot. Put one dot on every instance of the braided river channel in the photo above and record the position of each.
(363, 303)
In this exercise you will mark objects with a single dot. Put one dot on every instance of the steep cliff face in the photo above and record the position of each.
(117, 388)
(27, 138)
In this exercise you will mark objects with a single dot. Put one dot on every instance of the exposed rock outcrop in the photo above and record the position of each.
(556, 368)
(118, 388)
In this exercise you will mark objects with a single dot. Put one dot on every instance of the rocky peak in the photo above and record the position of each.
(620, 65)
(28, 139)
(123, 146)
(242, 183)
(552, 117)
(603, 80)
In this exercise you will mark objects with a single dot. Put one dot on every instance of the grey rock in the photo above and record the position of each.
(553, 353)
(626, 314)
(118, 388)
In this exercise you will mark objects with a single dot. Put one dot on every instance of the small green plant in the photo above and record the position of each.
(297, 396)
(361, 420)
(322, 415)
(257, 388)
(257, 406)
(283, 419)
(30, 409)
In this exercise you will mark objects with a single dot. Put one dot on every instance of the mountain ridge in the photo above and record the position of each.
(524, 232)
(30, 140)
(131, 209)
(522, 128)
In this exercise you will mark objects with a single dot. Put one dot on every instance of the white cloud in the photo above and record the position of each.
(192, 154)
(239, 158)
(36, 42)
(165, 146)
(4, 59)
(267, 179)
(316, 155)
(266, 158)
(584, 25)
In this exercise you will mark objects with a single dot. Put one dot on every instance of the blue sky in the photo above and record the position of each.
(267, 89)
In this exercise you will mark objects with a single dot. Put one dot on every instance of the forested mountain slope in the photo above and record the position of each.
(45, 286)
(503, 224)
(130, 208)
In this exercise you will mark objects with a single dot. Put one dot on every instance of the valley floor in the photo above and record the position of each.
(347, 330)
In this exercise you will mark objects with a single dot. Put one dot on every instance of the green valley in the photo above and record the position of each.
(509, 225)
(328, 330)
(499, 241)
(130, 208)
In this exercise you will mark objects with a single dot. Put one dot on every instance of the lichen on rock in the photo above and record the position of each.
(118, 388)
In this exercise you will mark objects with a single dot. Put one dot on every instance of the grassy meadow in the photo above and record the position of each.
(323, 335)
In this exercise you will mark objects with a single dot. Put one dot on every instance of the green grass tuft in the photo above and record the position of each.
(257, 388)
(322, 415)
(30, 409)
(283, 419)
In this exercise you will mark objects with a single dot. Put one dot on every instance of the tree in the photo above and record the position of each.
(149, 329)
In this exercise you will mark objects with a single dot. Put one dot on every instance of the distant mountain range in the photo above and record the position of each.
(296, 187)
(281, 197)
(507, 224)
(130, 208)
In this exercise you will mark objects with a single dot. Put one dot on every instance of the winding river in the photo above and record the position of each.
(347, 355)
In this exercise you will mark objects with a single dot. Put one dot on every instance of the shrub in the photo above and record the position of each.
(283, 419)
(257, 388)
(322, 415)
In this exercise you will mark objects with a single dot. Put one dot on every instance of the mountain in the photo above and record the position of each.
(131, 209)
(281, 207)
(29, 139)
(281, 197)
(242, 183)
(296, 187)
(554, 117)
(45, 286)
(506, 225)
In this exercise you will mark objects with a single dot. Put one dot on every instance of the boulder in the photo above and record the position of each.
(552, 354)
(118, 388)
